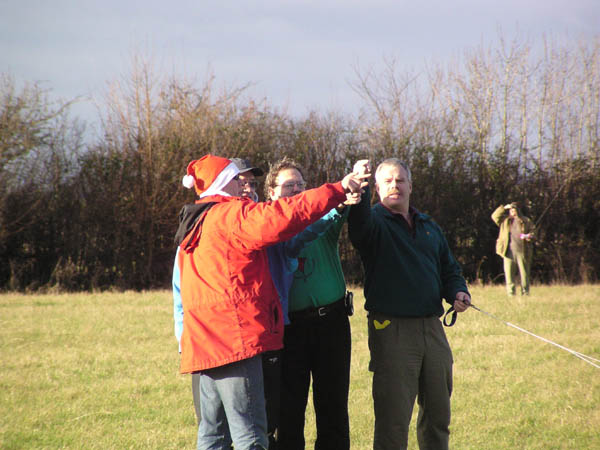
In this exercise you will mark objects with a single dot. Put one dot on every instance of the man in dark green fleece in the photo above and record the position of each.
(409, 269)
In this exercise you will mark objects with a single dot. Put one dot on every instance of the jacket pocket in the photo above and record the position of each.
(276, 318)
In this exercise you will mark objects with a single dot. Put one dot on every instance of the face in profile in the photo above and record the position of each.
(233, 187)
(248, 185)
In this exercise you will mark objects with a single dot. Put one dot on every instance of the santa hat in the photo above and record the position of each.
(209, 174)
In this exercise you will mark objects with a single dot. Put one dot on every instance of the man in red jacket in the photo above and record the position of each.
(232, 312)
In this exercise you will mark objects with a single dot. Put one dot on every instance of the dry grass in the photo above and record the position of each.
(100, 371)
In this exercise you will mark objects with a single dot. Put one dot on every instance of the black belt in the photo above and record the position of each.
(315, 313)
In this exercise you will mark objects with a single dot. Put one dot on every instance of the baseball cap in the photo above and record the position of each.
(245, 166)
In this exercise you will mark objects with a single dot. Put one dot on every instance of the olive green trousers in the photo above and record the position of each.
(410, 359)
(512, 262)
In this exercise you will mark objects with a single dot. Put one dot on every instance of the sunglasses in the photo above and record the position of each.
(250, 183)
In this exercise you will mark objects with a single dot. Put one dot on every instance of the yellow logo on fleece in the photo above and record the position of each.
(379, 325)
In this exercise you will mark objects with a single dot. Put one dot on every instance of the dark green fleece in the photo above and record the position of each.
(407, 271)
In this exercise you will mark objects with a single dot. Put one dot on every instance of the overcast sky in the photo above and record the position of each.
(300, 55)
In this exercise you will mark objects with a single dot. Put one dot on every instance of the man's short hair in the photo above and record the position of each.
(274, 169)
(395, 162)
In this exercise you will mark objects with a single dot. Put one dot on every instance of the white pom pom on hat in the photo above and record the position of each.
(188, 181)
(201, 173)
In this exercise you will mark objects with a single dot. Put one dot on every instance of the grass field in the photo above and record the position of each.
(100, 371)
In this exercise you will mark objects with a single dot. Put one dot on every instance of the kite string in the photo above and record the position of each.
(586, 358)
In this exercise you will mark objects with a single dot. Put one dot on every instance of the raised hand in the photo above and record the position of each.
(362, 166)
(354, 182)
(352, 198)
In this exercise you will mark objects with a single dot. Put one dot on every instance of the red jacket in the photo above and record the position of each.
(231, 308)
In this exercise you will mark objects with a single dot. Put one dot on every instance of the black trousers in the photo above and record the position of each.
(271, 362)
(318, 346)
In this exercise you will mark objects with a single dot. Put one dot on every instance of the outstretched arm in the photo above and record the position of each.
(294, 246)
(259, 225)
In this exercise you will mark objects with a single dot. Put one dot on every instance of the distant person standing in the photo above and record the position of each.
(514, 245)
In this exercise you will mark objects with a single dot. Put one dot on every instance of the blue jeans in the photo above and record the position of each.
(232, 402)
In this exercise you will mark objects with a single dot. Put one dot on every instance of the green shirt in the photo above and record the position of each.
(319, 279)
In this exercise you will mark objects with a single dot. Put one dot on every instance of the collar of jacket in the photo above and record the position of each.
(415, 214)
(191, 217)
